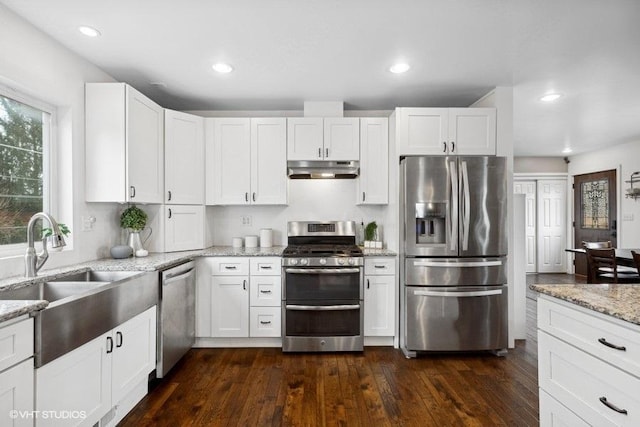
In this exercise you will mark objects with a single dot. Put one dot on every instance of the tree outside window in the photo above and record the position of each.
(22, 143)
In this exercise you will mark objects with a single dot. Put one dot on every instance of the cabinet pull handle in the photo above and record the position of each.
(169, 195)
(612, 406)
(265, 322)
(604, 341)
(368, 284)
(379, 266)
(170, 213)
(265, 267)
(453, 146)
(265, 292)
(444, 146)
(109, 345)
(132, 191)
(119, 339)
(254, 196)
(244, 284)
(230, 267)
(326, 153)
(246, 197)
(363, 196)
(319, 153)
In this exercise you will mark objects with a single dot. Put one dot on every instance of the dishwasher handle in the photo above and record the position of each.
(178, 272)
(170, 278)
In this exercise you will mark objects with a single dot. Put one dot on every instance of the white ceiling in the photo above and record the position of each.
(287, 51)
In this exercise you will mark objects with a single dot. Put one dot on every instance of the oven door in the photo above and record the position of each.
(319, 285)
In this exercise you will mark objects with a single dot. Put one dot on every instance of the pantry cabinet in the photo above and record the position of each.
(247, 159)
(124, 140)
(184, 158)
(331, 138)
(373, 181)
(446, 131)
(16, 371)
(99, 375)
(379, 296)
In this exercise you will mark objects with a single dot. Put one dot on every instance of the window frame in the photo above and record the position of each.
(49, 151)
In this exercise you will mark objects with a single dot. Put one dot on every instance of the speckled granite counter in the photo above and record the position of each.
(12, 309)
(378, 252)
(619, 301)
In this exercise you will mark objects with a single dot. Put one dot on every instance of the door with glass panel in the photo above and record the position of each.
(594, 211)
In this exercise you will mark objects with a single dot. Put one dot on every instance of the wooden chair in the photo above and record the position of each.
(636, 260)
(596, 245)
(604, 268)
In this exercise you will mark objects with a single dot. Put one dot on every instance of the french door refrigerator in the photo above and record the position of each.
(454, 254)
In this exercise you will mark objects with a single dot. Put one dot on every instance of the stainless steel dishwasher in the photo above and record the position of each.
(176, 318)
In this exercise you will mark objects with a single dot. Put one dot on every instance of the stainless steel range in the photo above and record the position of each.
(322, 288)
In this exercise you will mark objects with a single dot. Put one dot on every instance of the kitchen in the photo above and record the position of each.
(43, 61)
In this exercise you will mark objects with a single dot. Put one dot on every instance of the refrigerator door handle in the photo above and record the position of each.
(453, 231)
(446, 294)
(449, 264)
(466, 209)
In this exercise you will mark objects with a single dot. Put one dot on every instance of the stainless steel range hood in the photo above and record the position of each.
(302, 169)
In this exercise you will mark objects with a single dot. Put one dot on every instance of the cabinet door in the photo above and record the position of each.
(341, 138)
(230, 306)
(134, 353)
(373, 182)
(230, 157)
(183, 227)
(304, 138)
(472, 131)
(145, 155)
(269, 161)
(379, 306)
(16, 342)
(16, 394)
(422, 131)
(203, 297)
(184, 158)
(78, 381)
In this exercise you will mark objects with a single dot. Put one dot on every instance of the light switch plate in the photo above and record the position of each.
(627, 217)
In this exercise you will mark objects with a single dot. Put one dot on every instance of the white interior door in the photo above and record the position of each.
(528, 188)
(552, 219)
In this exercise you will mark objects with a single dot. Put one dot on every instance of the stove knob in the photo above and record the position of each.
(352, 261)
(341, 261)
(304, 261)
(323, 261)
(293, 261)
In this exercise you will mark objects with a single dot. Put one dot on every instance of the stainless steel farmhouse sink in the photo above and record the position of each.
(83, 306)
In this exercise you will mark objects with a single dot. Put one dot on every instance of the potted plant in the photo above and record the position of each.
(135, 220)
(370, 235)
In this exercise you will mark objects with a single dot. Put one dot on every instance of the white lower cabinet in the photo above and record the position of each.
(95, 378)
(379, 297)
(238, 297)
(16, 373)
(587, 367)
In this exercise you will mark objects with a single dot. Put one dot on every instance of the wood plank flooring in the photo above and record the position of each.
(379, 387)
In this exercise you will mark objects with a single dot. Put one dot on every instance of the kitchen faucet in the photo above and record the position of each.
(32, 261)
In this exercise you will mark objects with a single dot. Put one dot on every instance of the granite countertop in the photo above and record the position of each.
(378, 252)
(12, 309)
(619, 301)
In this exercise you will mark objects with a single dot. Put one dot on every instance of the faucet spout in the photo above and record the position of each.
(33, 261)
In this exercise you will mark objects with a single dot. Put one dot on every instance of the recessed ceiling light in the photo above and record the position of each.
(221, 67)
(399, 68)
(89, 31)
(567, 150)
(550, 97)
(158, 84)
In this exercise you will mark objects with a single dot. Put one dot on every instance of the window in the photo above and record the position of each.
(595, 204)
(24, 169)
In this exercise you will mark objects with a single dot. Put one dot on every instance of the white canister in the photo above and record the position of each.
(251, 241)
(266, 238)
(237, 242)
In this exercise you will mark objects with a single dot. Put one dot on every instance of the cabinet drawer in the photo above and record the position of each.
(265, 266)
(229, 266)
(586, 385)
(265, 291)
(554, 414)
(374, 266)
(16, 343)
(265, 322)
(592, 332)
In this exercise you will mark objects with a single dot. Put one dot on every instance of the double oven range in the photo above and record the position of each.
(322, 288)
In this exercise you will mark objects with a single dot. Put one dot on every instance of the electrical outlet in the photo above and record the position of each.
(627, 217)
(246, 220)
(87, 222)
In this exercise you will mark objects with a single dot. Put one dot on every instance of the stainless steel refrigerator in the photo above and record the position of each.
(454, 253)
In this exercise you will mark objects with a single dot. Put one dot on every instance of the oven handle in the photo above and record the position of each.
(322, 307)
(458, 294)
(322, 270)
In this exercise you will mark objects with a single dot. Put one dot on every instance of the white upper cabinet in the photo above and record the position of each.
(184, 227)
(443, 131)
(249, 161)
(184, 158)
(373, 182)
(315, 138)
(124, 154)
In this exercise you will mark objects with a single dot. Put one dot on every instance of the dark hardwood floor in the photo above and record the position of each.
(380, 387)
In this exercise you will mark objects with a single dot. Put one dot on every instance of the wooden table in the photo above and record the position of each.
(623, 257)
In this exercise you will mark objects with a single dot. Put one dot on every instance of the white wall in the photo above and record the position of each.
(625, 159)
(539, 165)
(36, 65)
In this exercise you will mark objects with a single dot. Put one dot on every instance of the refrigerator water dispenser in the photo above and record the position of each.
(431, 223)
